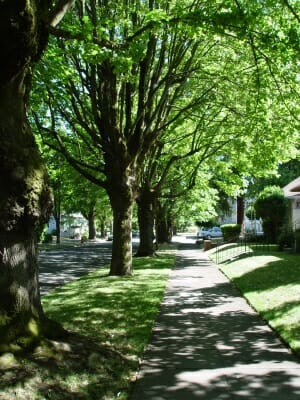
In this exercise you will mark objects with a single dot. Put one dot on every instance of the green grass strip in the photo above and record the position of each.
(271, 284)
(115, 310)
(110, 320)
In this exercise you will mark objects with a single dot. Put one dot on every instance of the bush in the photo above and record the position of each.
(84, 239)
(286, 238)
(297, 241)
(252, 237)
(271, 206)
(231, 232)
(47, 238)
(43, 235)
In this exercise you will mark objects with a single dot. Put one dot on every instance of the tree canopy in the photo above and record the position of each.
(120, 81)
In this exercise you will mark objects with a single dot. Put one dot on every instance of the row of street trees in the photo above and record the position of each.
(134, 90)
(134, 95)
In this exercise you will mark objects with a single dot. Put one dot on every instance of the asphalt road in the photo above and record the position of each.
(57, 267)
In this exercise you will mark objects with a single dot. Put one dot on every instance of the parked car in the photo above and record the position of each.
(213, 232)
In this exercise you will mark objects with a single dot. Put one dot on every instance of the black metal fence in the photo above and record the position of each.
(226, 251)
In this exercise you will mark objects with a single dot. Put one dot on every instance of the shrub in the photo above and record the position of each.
(47, 238)
(286, 238)
(84, 239)
(231, 232)
(252, 237)
(271, 206)
(44, 236)
(297, 241)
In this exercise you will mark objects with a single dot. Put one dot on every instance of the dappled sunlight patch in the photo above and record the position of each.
(109, 320)
(229, 251)
(248, 264)
(116, 311)
(271, 284)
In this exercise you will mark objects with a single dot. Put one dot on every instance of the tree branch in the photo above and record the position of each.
(59, 11)
(292, 10)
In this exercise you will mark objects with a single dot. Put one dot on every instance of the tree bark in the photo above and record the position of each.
(91, 222)
(121, 194)
(121, 261)
(57, 228)
(25, 197)
(146, 223)
(25, 204)
(57, 217)
(163, 225)
(240, 210)
(102, 228)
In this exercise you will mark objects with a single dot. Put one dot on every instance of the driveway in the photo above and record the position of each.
(57, 267)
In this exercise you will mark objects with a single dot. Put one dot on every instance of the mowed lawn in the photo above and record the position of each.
(110, 321)
(271, 284)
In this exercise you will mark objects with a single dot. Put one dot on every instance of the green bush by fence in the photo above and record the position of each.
(231, 231)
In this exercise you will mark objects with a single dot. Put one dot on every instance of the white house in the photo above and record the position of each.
(72, 225)
(292, 192)
(250, 226)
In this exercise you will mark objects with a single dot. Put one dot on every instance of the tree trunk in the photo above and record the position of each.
(163, 225)
(57, 227)
(162, 231)
(25, 204)
(57, 217)
(120, 191)
(91, 222)
(146, 223)
(121, 261)
(102, 228)
(240, 210)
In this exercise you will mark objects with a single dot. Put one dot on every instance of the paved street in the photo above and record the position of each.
(58, 267)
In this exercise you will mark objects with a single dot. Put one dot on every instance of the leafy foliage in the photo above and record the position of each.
(231, 231)
(271, 206)
(149, 93)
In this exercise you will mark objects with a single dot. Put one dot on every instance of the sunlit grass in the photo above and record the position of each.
(271, 284)
(110, 318)
(230, 251)
(65, 242)
(114, 310)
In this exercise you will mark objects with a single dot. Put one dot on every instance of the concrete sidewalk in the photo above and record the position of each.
(207, 342)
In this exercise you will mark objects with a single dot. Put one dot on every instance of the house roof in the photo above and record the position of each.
(292, 189)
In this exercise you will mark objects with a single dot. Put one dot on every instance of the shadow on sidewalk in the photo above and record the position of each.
(208, 343)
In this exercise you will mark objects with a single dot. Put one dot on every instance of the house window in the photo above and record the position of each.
(297, 204)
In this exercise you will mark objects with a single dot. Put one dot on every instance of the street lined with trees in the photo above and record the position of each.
(124, 85)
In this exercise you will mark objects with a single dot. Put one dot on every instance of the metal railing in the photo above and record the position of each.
(226, 251)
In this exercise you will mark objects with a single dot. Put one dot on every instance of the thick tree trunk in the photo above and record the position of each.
(102, 228)
(92, 226)
(146, 223)
(21, 311)
(25, 204)
(121, 196)
(162, 231)
(163, 225)
(58, 227)
(121, 261)
(25, 199)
